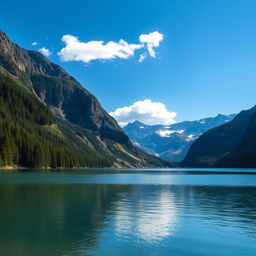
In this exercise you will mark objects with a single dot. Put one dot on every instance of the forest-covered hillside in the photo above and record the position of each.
(47, 119)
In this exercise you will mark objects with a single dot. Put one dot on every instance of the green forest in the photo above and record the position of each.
(48, 120)
(24, 139)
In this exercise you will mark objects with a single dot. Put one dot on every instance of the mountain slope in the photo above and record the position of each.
(171, 142)
(25, 129)
(77, 122)
(244, 156)
(229, 145)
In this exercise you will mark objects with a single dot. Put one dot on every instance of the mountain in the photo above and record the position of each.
(230, 145)
(47, 119)
(171, 142)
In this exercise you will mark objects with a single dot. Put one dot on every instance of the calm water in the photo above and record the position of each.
(128, 212)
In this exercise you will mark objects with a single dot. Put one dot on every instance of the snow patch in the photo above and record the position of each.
(167, 133)
(190, 137)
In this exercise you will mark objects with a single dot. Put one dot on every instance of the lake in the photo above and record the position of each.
(128, 212)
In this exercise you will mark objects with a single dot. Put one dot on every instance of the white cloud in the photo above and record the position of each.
(75, 50)
(46, 52)
(151, 40)
(94, 50)
(142, 57)
(34, 43)
(145, 111)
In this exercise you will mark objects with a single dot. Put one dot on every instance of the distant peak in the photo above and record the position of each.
(221, 116)
(137, 122)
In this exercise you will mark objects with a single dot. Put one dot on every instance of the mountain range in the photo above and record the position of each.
(47, 119)
(231, 145)
(171, 142)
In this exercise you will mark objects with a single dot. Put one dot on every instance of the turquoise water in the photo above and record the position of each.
(128, 212)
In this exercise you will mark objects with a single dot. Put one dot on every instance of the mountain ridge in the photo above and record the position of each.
(171, 142)
(226, 145)
(79, 119)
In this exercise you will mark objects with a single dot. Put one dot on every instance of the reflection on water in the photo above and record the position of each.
(111, 219)
(150, 215)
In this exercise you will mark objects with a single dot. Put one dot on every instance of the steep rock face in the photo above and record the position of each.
(23, 63)
(77, 105)
(57, 88)
(220, 147)
(81, 122)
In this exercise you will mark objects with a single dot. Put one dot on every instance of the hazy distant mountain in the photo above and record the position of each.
(171, 142)
(48, 119)
(230, 145)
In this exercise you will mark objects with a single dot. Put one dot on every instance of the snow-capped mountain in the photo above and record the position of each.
(171, 142)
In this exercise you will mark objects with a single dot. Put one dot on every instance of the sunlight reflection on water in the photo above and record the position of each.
(151, 218)
(64, 214)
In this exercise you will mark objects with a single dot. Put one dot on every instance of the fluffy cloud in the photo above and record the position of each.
(145, 111)
(93, 50)
(34, 43)
(46, 52)
(151, 40)
(76, 50)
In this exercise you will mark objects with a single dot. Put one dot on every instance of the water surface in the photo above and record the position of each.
(128, 212)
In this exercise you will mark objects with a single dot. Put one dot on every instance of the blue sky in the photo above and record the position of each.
(205, 64)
